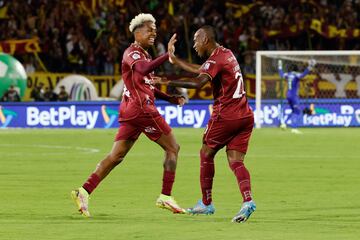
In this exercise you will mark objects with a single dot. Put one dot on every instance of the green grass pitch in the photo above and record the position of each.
(305, 186)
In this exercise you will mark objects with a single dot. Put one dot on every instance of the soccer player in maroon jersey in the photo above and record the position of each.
(231, 121)
(138, 114)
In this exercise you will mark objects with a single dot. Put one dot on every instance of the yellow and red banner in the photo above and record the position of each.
(241, 9)
(331, 31)
(20, 46)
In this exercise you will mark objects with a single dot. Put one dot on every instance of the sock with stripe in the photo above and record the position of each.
(243, 179)
(207, 172)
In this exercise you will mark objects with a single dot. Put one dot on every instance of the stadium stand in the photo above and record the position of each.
(89, 36)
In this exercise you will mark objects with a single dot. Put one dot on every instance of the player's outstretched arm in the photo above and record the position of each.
(145, 67)
(179, 100)
(311, 65)
(189, 67)
(197, 82)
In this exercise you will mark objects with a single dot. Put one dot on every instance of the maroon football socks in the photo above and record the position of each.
(91, 183)
(168, 181)
(207, 171)
(243, 179)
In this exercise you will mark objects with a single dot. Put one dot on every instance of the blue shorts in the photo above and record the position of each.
(293, 102)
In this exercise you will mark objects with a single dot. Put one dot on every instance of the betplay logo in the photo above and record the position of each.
(6, 116)
(109, 116)
(188, 117)
(326, 118)
(62, 116)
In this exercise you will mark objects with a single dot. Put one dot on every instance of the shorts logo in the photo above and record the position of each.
(6, 116)
(109, 116)
(150, 129)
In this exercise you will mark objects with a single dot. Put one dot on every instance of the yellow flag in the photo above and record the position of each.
(3, 12)
(171, 8)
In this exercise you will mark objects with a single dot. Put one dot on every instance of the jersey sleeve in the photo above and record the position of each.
(133, 57)
(281, 73)
(145, 67)
(303, 74)
(211, 67)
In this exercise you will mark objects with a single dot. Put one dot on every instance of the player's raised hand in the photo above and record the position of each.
(171, 48)
(171, 44)
(172, 58)
(312, 63)
(280, 64)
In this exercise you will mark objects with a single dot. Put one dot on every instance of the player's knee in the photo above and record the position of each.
(173, 149)
(235, 156)
(207, 153)
(236, 159)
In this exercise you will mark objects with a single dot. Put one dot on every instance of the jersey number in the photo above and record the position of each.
(239, 92)
(290, 80)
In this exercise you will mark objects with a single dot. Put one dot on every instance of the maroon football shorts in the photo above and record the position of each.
(151, 126)
(234, 134)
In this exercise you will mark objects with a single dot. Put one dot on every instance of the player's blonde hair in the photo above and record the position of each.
(140, 19)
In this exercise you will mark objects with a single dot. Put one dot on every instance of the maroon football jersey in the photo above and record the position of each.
(138, 96)
(227, 84)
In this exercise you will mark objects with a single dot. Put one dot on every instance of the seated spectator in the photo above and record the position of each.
(38, 93)
(11, 95)
(49, 95)
(63, 95)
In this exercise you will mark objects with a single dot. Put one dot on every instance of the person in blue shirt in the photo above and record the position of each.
(293, 78)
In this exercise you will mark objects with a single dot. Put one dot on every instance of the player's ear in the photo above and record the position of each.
(205, 40)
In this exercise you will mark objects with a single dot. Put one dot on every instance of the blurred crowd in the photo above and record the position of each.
(38, 94)
(75, 38)
(11, 95)
(41, 94)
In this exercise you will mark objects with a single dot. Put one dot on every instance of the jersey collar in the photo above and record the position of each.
(213, 51)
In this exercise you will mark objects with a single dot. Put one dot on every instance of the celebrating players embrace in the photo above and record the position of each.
(230, 125)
